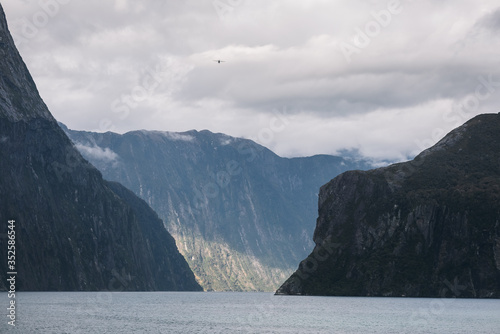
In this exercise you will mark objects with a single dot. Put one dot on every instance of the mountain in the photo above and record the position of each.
(241, 215)
(425, 228)
(73, 230)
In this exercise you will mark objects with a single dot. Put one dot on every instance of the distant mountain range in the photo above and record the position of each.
(429, 227)
(72, 230)
(242, 216)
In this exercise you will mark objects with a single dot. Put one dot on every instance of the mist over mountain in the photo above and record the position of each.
(429, 227)
(73, 230)
(241, 215)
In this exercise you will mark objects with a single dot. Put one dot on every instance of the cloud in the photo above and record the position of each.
(124, 65)
(105, 155)
(176, 136)
(490, 21)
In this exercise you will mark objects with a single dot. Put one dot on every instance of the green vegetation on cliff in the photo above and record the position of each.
(241, 215)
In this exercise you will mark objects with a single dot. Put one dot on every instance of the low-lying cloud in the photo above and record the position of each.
(105, 155)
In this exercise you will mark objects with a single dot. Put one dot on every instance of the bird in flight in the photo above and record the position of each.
(220, 61)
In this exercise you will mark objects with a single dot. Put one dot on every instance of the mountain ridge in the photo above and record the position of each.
(239, 213)
(73, 232)
(412, 229)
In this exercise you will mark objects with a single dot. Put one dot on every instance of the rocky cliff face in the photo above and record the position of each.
(242, 216)
(74, 231)
(425, 228)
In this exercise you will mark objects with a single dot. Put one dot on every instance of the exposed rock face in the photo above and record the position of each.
(425, 228)
(242, 216)
(74, 231)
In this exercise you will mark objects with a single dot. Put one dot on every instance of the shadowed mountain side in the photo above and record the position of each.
(425, 228)
(241, 215)
(72, 231)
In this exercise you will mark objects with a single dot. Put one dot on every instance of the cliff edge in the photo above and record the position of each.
(429, 227)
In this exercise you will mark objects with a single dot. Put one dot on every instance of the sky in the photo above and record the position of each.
(383, 79)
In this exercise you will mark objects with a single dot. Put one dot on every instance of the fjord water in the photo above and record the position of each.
(230, 312)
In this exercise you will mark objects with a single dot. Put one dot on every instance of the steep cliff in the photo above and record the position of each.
(425, 228)
(74, 231)
(242, 216)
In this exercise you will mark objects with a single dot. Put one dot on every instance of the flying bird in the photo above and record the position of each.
(220, 61)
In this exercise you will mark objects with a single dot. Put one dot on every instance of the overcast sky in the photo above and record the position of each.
(386, 78)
